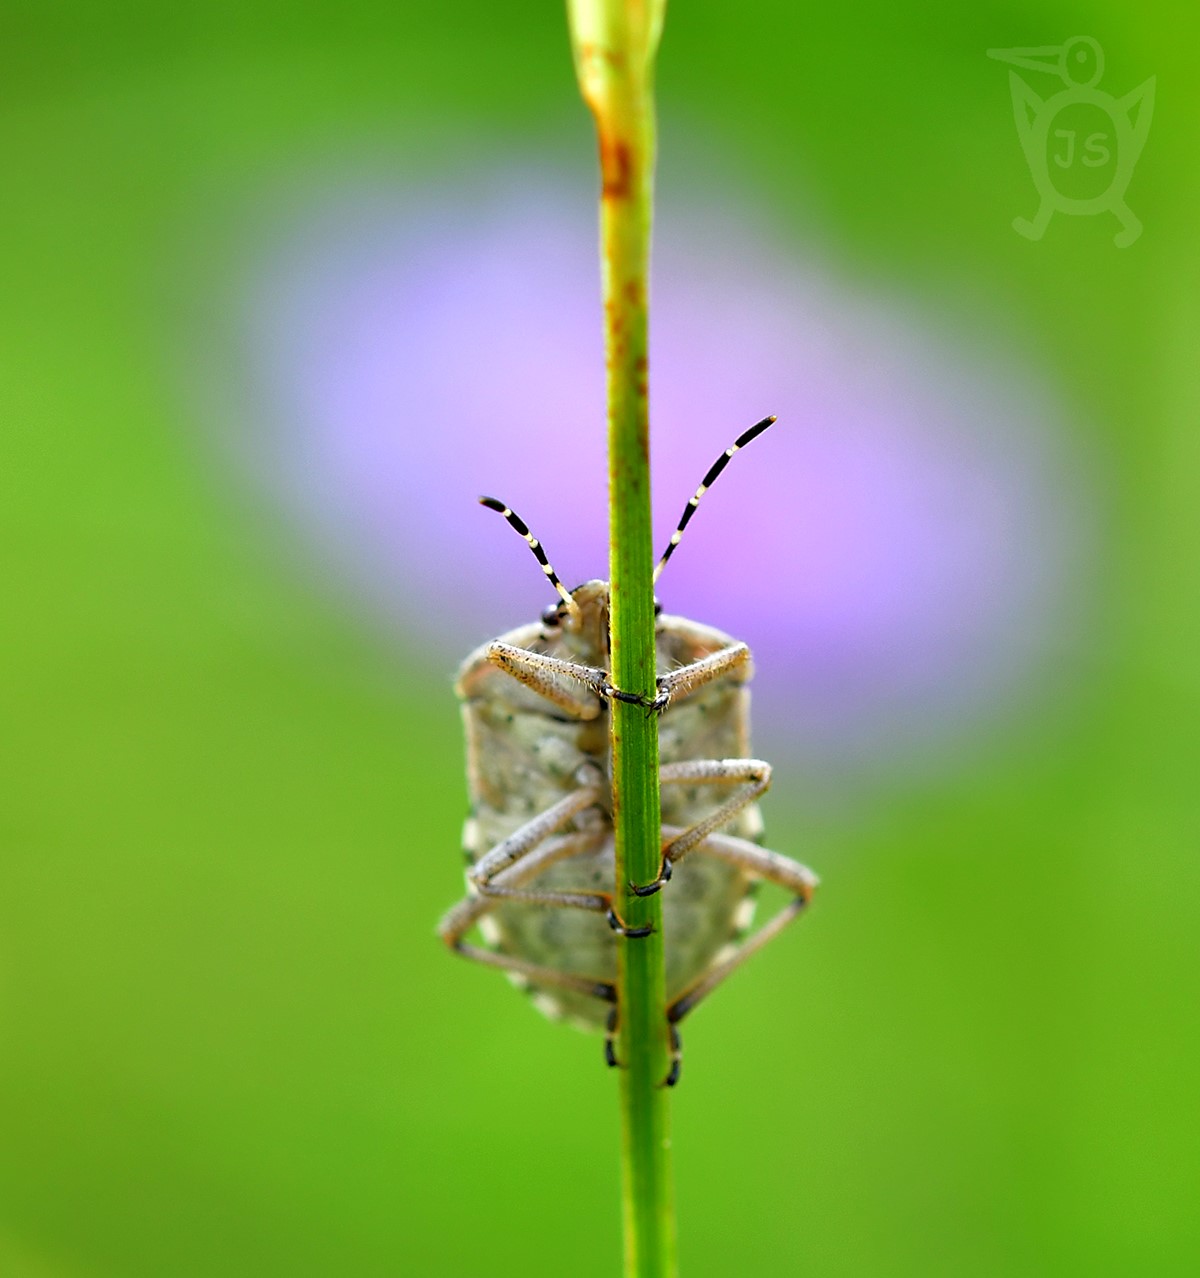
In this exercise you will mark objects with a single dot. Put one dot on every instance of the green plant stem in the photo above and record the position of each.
(614, 44)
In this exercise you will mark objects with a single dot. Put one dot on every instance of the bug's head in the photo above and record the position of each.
(557, 614)
(586, 625)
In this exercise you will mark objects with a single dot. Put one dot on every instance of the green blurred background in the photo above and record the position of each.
(230, 811)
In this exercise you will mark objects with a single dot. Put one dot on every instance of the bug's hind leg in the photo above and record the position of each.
(459, 920)
(761, 863)
(754, 777)
(534, 973)
(501, 876)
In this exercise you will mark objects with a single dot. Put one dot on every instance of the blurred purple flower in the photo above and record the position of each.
(900, 550)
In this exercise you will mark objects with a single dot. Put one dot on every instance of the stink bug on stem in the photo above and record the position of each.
(539, 837)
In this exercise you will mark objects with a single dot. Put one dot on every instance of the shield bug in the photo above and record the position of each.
(539, 837)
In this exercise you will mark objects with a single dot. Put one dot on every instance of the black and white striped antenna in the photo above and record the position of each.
(711, 478)
(515, 521)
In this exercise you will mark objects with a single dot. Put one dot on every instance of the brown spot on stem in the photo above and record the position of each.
(597, 52)
(616, 168)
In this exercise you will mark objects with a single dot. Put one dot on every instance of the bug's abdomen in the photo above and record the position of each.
(707, 902)
(520, 763)
(702, 912)
(522, 760)
(573, 941)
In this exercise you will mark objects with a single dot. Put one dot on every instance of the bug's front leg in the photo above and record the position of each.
(676, 684)
(543, 674)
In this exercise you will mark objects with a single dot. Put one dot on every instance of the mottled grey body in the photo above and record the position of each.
(524, 754)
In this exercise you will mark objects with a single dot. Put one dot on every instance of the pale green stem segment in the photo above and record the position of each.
(614, 44)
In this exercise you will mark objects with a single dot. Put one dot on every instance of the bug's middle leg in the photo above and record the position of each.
(458, 922)
(752, 775)
(527, 851)
(460, 919)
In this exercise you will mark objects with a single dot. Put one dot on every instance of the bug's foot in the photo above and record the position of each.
(649, 889)
(658, 703)
(676, 1059)
(610, 1041)
(614, 693)
(652, 705)
(614, 921)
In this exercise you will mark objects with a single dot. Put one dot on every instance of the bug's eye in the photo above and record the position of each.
(551, 615)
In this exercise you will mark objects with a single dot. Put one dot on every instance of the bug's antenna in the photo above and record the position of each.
(711, 478)
(515, 521)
